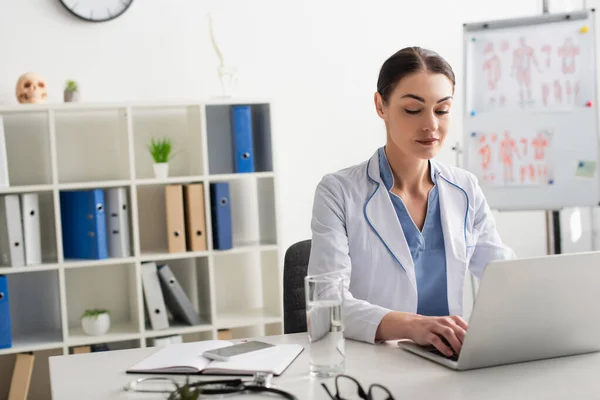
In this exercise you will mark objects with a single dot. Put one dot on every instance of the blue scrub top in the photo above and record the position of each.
(426, 247)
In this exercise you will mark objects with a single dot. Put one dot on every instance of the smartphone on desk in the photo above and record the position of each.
(228, 353)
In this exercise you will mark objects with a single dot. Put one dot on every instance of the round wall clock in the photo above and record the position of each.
(96, 10)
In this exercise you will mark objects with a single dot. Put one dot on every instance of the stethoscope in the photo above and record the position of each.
(260, 383)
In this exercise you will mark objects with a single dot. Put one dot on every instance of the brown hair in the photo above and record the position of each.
(406, 62)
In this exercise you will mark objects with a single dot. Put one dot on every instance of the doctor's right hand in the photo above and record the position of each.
(439, 332)
(424, 330)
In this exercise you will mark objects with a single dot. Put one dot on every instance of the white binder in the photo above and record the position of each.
(4, 181)
(30, 206)
(11, 238)
(153, 297)
(117, 215)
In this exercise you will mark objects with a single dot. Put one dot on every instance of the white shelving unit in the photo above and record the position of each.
(52, 148)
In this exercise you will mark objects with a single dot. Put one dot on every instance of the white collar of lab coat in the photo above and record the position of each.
(454, 204)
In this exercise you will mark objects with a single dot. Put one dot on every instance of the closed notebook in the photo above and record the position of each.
(186, 358)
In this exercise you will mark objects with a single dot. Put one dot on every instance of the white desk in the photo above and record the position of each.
(101, 376)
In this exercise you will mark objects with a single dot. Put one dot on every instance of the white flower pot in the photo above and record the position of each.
(161, 170)
(96, 326)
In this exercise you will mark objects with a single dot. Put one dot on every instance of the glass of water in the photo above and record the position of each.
(325, 325)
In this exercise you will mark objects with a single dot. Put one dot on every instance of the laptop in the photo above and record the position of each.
(529, 309)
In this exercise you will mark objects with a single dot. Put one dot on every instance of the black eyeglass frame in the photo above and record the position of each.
(361, 391)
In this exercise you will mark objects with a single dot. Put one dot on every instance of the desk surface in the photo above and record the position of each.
(102, 375)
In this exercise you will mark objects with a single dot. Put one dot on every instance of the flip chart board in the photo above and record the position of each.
(531, 111)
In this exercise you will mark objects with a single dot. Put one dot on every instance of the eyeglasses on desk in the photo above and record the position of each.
(347, 388)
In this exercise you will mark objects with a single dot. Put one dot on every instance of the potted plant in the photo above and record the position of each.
(95, 322)
(71, 93)
(160, 150)
(184, 392)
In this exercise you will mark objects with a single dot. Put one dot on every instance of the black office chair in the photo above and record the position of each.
(295, 266)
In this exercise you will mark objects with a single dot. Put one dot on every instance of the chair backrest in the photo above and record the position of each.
(295, 267)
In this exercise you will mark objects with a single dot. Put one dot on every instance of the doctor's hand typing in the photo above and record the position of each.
(424, 330)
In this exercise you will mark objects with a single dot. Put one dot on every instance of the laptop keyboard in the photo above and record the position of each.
(433, 350)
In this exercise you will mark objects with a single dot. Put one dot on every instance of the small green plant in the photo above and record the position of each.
(94, 312)
(184, 392)
(160, 150)
(71, 86)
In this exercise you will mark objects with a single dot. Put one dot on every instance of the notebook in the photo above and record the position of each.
(186, 358)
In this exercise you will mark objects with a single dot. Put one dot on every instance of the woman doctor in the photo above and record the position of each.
(401, 228)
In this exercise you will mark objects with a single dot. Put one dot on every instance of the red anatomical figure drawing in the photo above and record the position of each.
(567, 52)
(508, 150)
(486, 156)
(492, 67)
(523, 57)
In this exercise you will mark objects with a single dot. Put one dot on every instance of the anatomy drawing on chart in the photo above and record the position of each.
(558, 91)
(493, 69)
(567, 52)
(523, 57)
(485, 152)
(545, 93)
(547, 51)
(523, 157)
(508, 150)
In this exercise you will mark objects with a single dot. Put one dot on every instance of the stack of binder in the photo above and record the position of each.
(20, 241)
(186, 222)
(164, 299)
(95, 223)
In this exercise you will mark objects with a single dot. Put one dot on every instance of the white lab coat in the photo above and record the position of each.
(356, 232)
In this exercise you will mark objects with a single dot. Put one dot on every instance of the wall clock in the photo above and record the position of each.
(96, 10)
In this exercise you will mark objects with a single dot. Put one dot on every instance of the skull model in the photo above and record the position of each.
(31, 88)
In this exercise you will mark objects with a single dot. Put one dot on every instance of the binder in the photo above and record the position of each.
(11, 240)
(83, 224)
(176, 237)
(30, 206)
(21, 377)
(5, 325)
(82, 349)
(117, 217)
(221, 216)
(194, 216)
(153, 297)
(178, 303)
(4, 180)
(243, 151)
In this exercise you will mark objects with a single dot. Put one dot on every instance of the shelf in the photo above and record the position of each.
(240, 320)
(117, 333)
(28, 268)
(232, 177)
(26, 189)
(246, 249)
(147, 256)
(93, 185)
(179, 329)
(170, 180)
(84, 106)
(34, 342)
(77, 263)
(201, 178)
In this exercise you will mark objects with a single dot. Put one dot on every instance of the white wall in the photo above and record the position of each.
(317, 59)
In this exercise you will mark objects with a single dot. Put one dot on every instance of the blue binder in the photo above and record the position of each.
(221, 216)
(83, 224)
(5, 327)
(243, 151)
